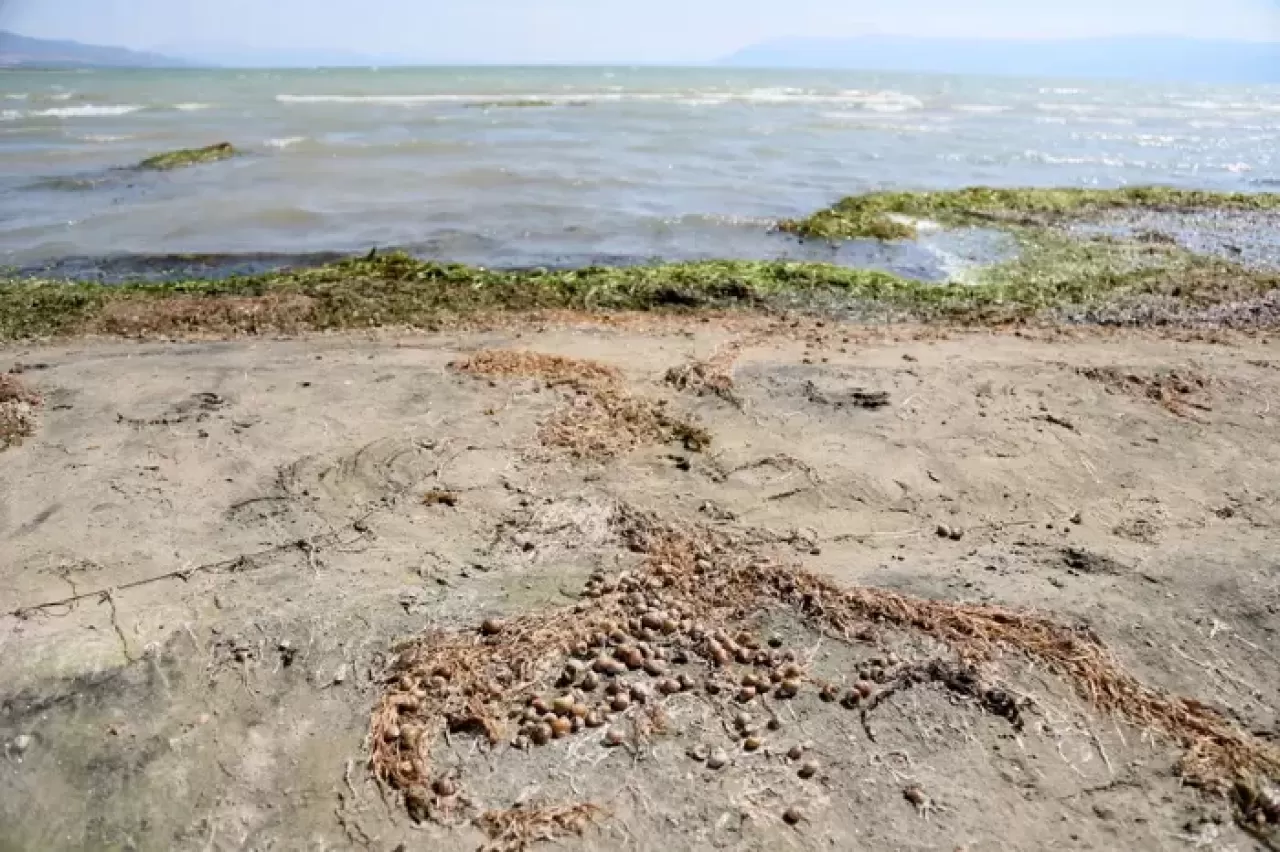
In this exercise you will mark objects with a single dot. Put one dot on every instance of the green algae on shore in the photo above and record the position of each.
(396, 289)
(889, 215)
(1053, 271)
(188, 157)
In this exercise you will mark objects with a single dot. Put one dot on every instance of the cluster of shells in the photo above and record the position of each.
(659, 647)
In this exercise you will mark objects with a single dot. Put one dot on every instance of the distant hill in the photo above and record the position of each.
(237, 56)
(1138, 58)
(18, 51)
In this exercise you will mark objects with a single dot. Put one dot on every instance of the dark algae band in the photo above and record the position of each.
(1053, 271)
(188, 157)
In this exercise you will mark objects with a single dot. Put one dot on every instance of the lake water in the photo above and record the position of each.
(520, 167)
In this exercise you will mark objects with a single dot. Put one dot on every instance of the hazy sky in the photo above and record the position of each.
(602, 30)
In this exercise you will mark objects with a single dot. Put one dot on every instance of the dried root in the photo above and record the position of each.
(1176, 392)
(602, 419)
(18, 407)
(713, 376)
(516, 829)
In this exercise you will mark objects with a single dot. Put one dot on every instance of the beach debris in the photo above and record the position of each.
(687, 599)
(18, 407)
(518, 828)
(441, 497)
(601, 418)
(853, 398)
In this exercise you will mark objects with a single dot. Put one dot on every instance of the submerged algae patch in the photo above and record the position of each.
(879, 215)
(188, 157)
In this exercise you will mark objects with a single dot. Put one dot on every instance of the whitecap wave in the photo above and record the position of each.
(981, 109)
(882, 101)
(1062, 91)
(1070, 109)
(1059, 160)
(103, 138)
(191, 107)
(284, 142)
(16, 96)
(87, 111)
(886, 121)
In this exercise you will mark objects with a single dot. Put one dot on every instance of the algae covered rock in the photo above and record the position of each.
(188, 157)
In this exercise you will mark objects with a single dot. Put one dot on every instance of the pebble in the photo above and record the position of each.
(21, 743)
(718, 759)
(808, 769)
(792, 816)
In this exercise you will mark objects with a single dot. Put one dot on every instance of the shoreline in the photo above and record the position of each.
(1129, 257)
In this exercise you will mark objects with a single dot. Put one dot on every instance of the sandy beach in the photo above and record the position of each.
(211, 549)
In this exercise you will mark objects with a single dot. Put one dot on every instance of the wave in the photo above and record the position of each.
(882, 121)
(284, 142)
(103, 138)
(16, 96)
(981, 109)
(1062, 91)
(191, 107)
(1072, 109)
(10, 115)
(1057, 160)
(86, 111)
(881, 101)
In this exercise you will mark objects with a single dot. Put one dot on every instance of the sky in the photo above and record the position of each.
(604, 30)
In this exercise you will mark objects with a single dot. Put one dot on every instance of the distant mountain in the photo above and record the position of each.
(18, 51)
(1138, 58)
(236, 56)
